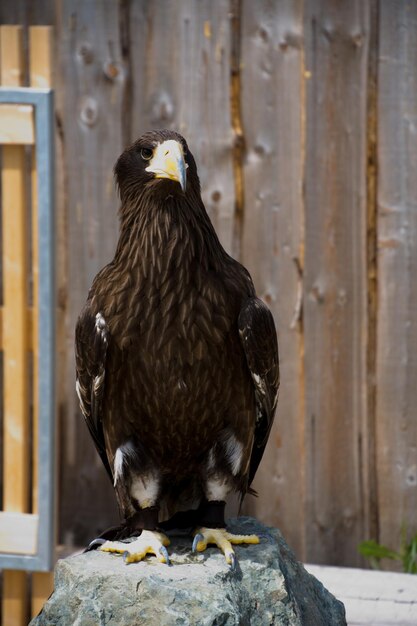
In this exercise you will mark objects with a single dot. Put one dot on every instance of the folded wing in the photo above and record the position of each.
(259, 340)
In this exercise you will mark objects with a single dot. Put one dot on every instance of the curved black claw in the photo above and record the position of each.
(233, 562)
(95, 544)
(199, 537)
(164, 552)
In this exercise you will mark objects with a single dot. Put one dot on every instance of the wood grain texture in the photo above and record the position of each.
(397, 270)
(272, 246)
(90, 84)
(15, 319)
(185, 85)
(335, 314)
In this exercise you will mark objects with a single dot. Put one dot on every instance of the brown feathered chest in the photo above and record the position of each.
(177, 375)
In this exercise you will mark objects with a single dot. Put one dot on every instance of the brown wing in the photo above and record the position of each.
(91, 342)
(259, 340)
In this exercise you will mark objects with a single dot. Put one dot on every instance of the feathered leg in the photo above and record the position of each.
(138, 497)
(213, 528)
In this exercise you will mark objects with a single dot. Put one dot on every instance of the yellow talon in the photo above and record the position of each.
(222, 539)
(149, 542)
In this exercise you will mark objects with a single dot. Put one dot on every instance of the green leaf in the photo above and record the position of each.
(372, 549)
(410, 557)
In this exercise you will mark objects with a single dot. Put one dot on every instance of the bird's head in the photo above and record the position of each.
(159, 162)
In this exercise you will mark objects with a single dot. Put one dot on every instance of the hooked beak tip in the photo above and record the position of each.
(183, 179)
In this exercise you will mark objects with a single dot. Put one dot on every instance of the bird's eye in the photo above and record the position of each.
(146, 154)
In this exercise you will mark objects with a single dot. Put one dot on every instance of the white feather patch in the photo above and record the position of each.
(217, 488)
(233, 449)
(259, 383)
(118, 465)
(145, 489)
(100, 322)
(123, 453)
(78, 390)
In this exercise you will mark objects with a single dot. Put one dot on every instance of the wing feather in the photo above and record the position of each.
(91, 343)
(259, 339)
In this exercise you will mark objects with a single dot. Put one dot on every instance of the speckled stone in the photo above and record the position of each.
(268, 587)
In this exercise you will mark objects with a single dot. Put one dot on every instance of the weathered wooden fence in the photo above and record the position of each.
(302, 115)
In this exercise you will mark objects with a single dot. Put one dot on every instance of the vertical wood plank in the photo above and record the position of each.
(15, 326)
(15, 332)
(369, 441)
(40, 75)
(397, 271)
(90, 85)
(42, 587)
(12, 56)
(40, 56)
(335, 320)
(15, 329)
(272, 78)
(180, 59)
(14, 605)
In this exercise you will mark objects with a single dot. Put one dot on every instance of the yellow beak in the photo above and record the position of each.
(168, 162)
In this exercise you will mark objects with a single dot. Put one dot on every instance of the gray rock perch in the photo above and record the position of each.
(268, 587)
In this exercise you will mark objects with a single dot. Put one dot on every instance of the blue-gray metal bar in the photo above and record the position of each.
(42, 101)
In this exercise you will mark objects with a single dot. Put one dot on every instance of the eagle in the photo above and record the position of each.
(177, 368)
